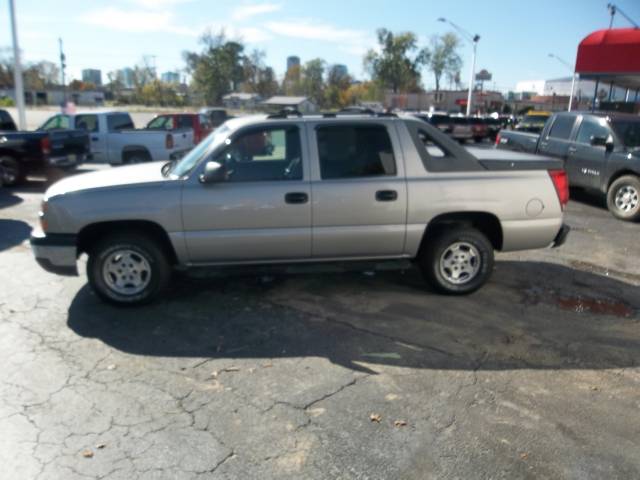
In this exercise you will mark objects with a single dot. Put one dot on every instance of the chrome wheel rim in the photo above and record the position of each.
(126, 272)
(460, 263)
(627, 198)
(9, 172)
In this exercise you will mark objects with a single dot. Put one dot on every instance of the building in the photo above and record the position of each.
(292, 61)
(531, 87)
(454, 101)
(241, 101)
(56, 95)
(281, 102)
(92, 75)
(170, 77)
(341, 70)
(125, 75)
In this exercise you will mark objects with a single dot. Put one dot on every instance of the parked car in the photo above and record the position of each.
(114, 139)
(601, 151)
(479, 129)
(40, 153)
(215, 116)
(533, 122)
(440, 120)
(170, 122)
(494, 125)
(285, 189)
(461, 129)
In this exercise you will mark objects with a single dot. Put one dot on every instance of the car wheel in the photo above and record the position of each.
(128, 269)
(12, 173)
(136, 157)
(457, 261)
(623, 198)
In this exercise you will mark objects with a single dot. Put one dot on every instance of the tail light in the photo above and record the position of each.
(168, 142)
(561, 183)
(45, 145)
(498, 139)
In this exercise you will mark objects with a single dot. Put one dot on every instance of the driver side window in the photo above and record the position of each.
(265, 154)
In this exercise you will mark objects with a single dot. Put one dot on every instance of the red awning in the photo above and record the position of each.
(610, 52)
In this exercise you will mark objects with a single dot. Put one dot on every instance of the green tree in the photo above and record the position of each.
(218, 69)
(398, 63)
(338, 84)
(258, 78)
(313, 80)
(444, 58)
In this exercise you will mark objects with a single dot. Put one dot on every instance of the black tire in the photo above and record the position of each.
(133, 158)
(12, 172)
(477, 139)
(628, 207)
(143, 247)
(432, 252)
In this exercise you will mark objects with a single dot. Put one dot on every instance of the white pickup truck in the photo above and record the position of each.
(114, 139)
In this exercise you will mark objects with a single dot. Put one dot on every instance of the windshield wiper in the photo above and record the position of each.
(167, 167)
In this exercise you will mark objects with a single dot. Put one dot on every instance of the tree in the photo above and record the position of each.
(338, 84)
(444, 58)
(398, 63)
(292, 83)
(218, 69)
(258, 78)
(313, 80)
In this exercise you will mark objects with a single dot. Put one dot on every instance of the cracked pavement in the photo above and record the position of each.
(535, 376)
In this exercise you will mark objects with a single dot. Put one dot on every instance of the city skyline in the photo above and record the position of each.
(114, 35)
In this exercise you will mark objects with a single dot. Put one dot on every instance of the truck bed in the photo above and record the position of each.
(494, 159)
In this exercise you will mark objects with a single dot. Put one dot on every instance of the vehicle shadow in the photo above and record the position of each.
(531, 315)
(591, 198)
(8, 199)
(13, 232)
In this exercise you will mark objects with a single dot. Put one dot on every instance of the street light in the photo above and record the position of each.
(573, 77)
(473, 39)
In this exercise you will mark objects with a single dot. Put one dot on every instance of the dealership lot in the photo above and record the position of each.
(327, 375)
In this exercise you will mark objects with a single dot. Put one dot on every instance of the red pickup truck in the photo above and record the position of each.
(174, 121)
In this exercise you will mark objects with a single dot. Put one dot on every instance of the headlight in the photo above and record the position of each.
(42, 214)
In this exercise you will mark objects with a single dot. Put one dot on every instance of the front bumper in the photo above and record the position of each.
(55, 252)
(561, 237)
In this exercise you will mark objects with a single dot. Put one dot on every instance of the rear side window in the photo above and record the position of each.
(87, 122)
(185, 121)
(562, 126)
(118, 122)
(163, 122)
(57, 122)
(355, 151)
(592, 127)
(6, 122)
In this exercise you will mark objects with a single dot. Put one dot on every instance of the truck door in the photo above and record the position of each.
(359, 190)
(97, 139)
(556, 138)
(586, 162)
(115, 123)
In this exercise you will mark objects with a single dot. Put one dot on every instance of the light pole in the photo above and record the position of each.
(17, 69)
(473, 39)
(573, 77)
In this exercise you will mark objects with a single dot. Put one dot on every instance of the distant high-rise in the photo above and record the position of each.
(91, 75)
(292, 61)
(125, 75)
(170, 77)
(341, 70)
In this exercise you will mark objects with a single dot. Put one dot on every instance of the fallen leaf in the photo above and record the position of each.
(251, 370)
(400, 423)
(524, 456)
(87, 453)
(214, 374)
(100, 446)
(375, 417)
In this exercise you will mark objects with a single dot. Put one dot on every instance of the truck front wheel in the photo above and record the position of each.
(457, 261)
(623, 198)
(128, 269)
(11, 171)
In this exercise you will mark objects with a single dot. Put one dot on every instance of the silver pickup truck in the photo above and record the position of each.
(114, 139)
(284, 189)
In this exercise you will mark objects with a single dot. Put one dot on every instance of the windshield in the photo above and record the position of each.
(191, 159)
(628, 132)
(161, 123)
(535, 119)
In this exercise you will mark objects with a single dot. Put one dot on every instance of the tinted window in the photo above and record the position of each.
(56, 122)
(87, 122)
(119, 121)
(628, 132)
(185, 121)
(592, 127)
(460, 121)
(562, 126)
(355, 151)
(438, 119)
(264, 155)
(6, 122)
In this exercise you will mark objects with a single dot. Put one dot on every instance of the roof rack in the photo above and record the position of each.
(288, 112)
(285, 112)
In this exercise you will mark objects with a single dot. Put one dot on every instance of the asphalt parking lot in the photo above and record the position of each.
(332, 375)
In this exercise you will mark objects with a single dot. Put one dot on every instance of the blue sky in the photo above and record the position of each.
(516, 36)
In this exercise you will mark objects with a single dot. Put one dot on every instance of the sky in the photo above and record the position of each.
(516, 36)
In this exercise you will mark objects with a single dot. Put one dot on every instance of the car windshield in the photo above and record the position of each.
(628, 132)
(191, 159)
(535, 119)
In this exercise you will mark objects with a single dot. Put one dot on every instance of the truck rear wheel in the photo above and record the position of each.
(623, 198)
(457, 261)
(12, 173)
(132, 158)
(128, 269)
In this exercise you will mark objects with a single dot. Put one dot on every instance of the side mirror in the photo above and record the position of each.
(598, 141)
(608, 146)
(213, 172)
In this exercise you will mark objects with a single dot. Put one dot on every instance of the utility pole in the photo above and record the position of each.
(17, 69)
(612, 12)
(63, 65)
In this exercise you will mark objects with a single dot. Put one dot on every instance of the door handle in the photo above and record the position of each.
(296, 197)
(386, 195)
(572, 150)
(94, 139)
